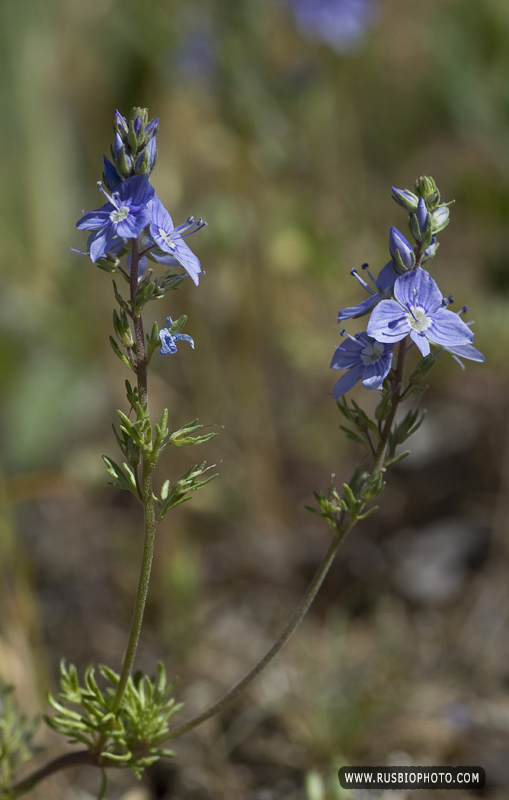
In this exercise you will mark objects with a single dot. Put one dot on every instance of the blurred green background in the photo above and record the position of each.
(288, 148)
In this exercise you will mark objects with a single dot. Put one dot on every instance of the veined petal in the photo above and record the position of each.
(187, 259)
(95, 219)
(347, 381)
(159, 216)
(466, 351)
(100, 242)
(352, 312)
(136, 191)
(418, 288)
(346, 354)
(375, 374)
(133, 224)
(448, 329)
(387, 278)
(420, 340)
(388, 322)
(110, 175)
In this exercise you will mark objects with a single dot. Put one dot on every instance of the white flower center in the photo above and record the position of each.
(167, 238)
(371, 353)
(417, 319)
(119, 214)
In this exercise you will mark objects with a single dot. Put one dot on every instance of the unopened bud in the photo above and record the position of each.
(401, 250)
(430, 251)
(419, 223)
(428, 190)
(439, 219)
(405, 198)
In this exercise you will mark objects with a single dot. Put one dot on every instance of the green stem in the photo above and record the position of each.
(292, 625)
(147, 499)
(379, 459)
(143, 583)
(80, 757)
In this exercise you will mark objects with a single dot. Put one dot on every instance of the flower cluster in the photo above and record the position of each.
(404, 301)
(133, 209)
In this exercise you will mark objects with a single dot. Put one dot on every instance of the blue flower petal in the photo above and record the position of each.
(466, 351)
(422, 343)
(448, 329)
(347, 381)
(418, 288)
(352, 312)
(388, 322)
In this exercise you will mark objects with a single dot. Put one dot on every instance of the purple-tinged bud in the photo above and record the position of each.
(430, 251)
(152, 128)
(405, 198)
(141, 165)
(137, 125)
(120, 124)
(422, 214)
(146, 159)
(118, 144)
(124, 164)
(439, 219)
(401, 250)
(419, 223)
(151, 148)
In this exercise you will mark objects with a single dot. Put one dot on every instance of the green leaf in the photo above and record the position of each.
(120, 355)
(124, 479)
(183, 435)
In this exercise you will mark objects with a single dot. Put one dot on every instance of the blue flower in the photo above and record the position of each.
(418, 310)
(384, 283)
(123, 217)
(365, 360)
(171, 249)
(339, 23)
(169, 340)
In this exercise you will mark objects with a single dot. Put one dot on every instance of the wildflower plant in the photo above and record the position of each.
(124, 719)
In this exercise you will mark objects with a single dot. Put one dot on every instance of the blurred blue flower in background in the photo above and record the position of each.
(339, 23)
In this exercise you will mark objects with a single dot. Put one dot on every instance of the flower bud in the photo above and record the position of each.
(430, 251)
(120, 124)
(124, 164)
(439, 219)
(122, 329)
(422, 214)
(405, 198)
(146, 158)
(419, 223)
(118, 146)
(401, 250)
(428, 190)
